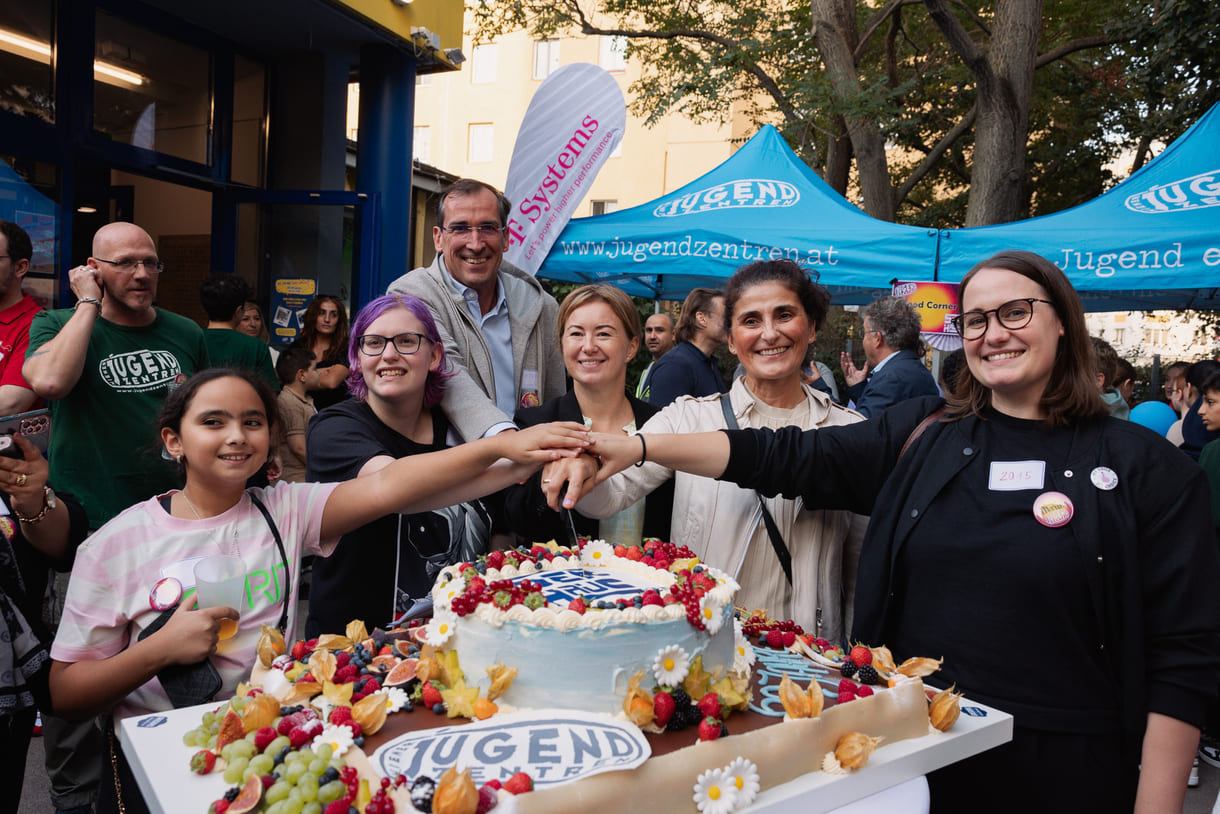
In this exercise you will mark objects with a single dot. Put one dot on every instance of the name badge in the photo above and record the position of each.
(529, 380)
(1013, 476)
(183, 571)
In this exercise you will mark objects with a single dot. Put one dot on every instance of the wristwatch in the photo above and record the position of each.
(48, 503)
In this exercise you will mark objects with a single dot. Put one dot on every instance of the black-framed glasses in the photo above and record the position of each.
(374, 345)
(486, 231)
(1011, 315)
(130, 266)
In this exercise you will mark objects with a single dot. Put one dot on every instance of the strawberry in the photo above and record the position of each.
(864, 691)
(710, 705)
(495, 559)
(663, 707)
(431, 695)
(775, 639)
(299, 651)
(219, 807)
(651, 597)
(385, 650)
(861, 655)
(203, 761)
(263, 737)
(634, 554)
(709, 729)
(577, 605)
(487, 799)
(620, 551)
(519, 783)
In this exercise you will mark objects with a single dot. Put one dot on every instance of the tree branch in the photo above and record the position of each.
(935, 153)
(1072, 47)
(959, 40)
(875, 22)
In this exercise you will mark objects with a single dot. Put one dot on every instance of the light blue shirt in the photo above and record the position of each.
(497, 331)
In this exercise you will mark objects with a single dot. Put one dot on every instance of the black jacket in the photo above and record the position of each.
(525, 505)
(1146, 547)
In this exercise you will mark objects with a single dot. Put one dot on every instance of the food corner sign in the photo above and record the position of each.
(553, 747)
(935, 302)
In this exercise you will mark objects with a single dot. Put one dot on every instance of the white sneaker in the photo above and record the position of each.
(1193, 782)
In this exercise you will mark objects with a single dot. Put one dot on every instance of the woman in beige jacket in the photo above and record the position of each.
(772, 312)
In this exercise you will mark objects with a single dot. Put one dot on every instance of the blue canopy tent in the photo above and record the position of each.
(1152, 241)
(761, 203)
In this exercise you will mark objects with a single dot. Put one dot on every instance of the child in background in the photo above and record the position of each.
(298, 374)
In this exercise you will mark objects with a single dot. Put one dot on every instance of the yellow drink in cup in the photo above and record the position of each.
(220, 581)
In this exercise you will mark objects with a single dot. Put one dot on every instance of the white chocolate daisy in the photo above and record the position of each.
(448, 592)
(339, 738)
(395, 698)
(743, 774)
(710, 613)
(440, 629)
(670, 666)
(715, 792)
(743, 651)
(597, 552)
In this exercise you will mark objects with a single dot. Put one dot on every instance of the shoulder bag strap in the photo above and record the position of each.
(279, 543)
(919, 430)
(777, 539)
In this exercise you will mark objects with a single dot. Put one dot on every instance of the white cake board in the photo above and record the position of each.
(160, 762)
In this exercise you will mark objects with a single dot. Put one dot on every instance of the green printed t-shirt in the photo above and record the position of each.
(105, 449)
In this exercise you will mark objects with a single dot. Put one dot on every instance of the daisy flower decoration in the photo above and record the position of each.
(597, 552)
(395, 698)
(743, 651)
(711, 613)
(339, 738)
(743, 775)
(715, 792)
(438, 631)
(450, 591)
(670, 666)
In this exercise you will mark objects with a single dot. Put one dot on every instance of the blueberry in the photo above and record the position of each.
(358, 740)
(481, 567)
(328, 776)
(408, 706)
(439, 708)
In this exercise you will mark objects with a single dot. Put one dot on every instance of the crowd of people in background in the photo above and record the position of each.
(887, 506)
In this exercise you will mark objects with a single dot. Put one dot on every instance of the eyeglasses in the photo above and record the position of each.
(1011, 315)
(487, 231)
(374, 345)
(130, 266)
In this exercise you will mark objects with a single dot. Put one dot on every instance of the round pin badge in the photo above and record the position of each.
(1104, 478)
(1053, 509)
(165, 594)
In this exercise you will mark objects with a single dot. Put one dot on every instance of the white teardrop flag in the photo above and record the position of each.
(573, 123)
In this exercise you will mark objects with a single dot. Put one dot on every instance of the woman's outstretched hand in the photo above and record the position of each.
(544, 442)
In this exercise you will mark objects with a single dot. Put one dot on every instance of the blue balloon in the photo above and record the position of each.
(1155, 415)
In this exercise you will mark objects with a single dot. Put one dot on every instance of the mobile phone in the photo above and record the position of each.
(34, 425)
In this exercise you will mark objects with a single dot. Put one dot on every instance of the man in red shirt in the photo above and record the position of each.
(17, 310)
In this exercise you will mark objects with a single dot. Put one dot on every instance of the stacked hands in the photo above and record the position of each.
(567, 479)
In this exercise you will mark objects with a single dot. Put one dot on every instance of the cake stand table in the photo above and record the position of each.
(158, 758)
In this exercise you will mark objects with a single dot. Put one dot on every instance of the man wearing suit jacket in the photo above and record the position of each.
(893, 371)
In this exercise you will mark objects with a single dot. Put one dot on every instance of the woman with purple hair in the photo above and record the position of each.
(398, 375)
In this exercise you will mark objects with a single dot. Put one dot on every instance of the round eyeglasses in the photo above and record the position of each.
(130, 266)
(1011, 315)
(374, 345)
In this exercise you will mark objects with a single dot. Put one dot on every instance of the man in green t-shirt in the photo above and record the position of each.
(224, 298)
(106, 365)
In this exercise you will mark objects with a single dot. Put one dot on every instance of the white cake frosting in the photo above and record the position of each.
(584, 661)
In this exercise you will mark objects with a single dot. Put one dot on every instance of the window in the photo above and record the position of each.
(604, 207)
(422, 141)
(546, 58)
(27, 46)
(1119, 333)
(483, 64)
(479, 144)
(612, 53)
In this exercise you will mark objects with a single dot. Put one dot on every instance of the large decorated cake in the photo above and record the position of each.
(577, 626)
(598, 680)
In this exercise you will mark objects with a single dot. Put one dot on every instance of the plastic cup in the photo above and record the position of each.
(220, 581)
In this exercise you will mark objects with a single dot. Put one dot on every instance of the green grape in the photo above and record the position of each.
(278, 807)
(311, 808)
(308, 786)
(214, 727)
(188, 739)
(264, 763)
(226, 754)
(276, 745)
(278, 791)
(295, 770)
(248, 773)
(234, 771)
(317, 766)
(237, 703)
(325, 752)
(292, 806)
(294, 796)
(211, 744)
(244, 749)
(209, 718)
(331, 791)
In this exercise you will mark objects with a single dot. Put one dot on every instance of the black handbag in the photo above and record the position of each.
(185, 684)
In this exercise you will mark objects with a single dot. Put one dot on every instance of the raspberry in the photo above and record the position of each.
(340, 715)
(263, 738)
(487, 800)
(299, 737)
(844, 697)
(847, 686)
(789, 638)
(864, 692)
(775, 639)
(371, 686)
(342, 658)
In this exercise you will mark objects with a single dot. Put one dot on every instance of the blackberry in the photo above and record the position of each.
(867, 675)
(231, 794)
(681, 699)
(422, 790)
(848, 668)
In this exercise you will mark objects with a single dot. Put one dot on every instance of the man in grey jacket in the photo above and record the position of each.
(497, 322)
